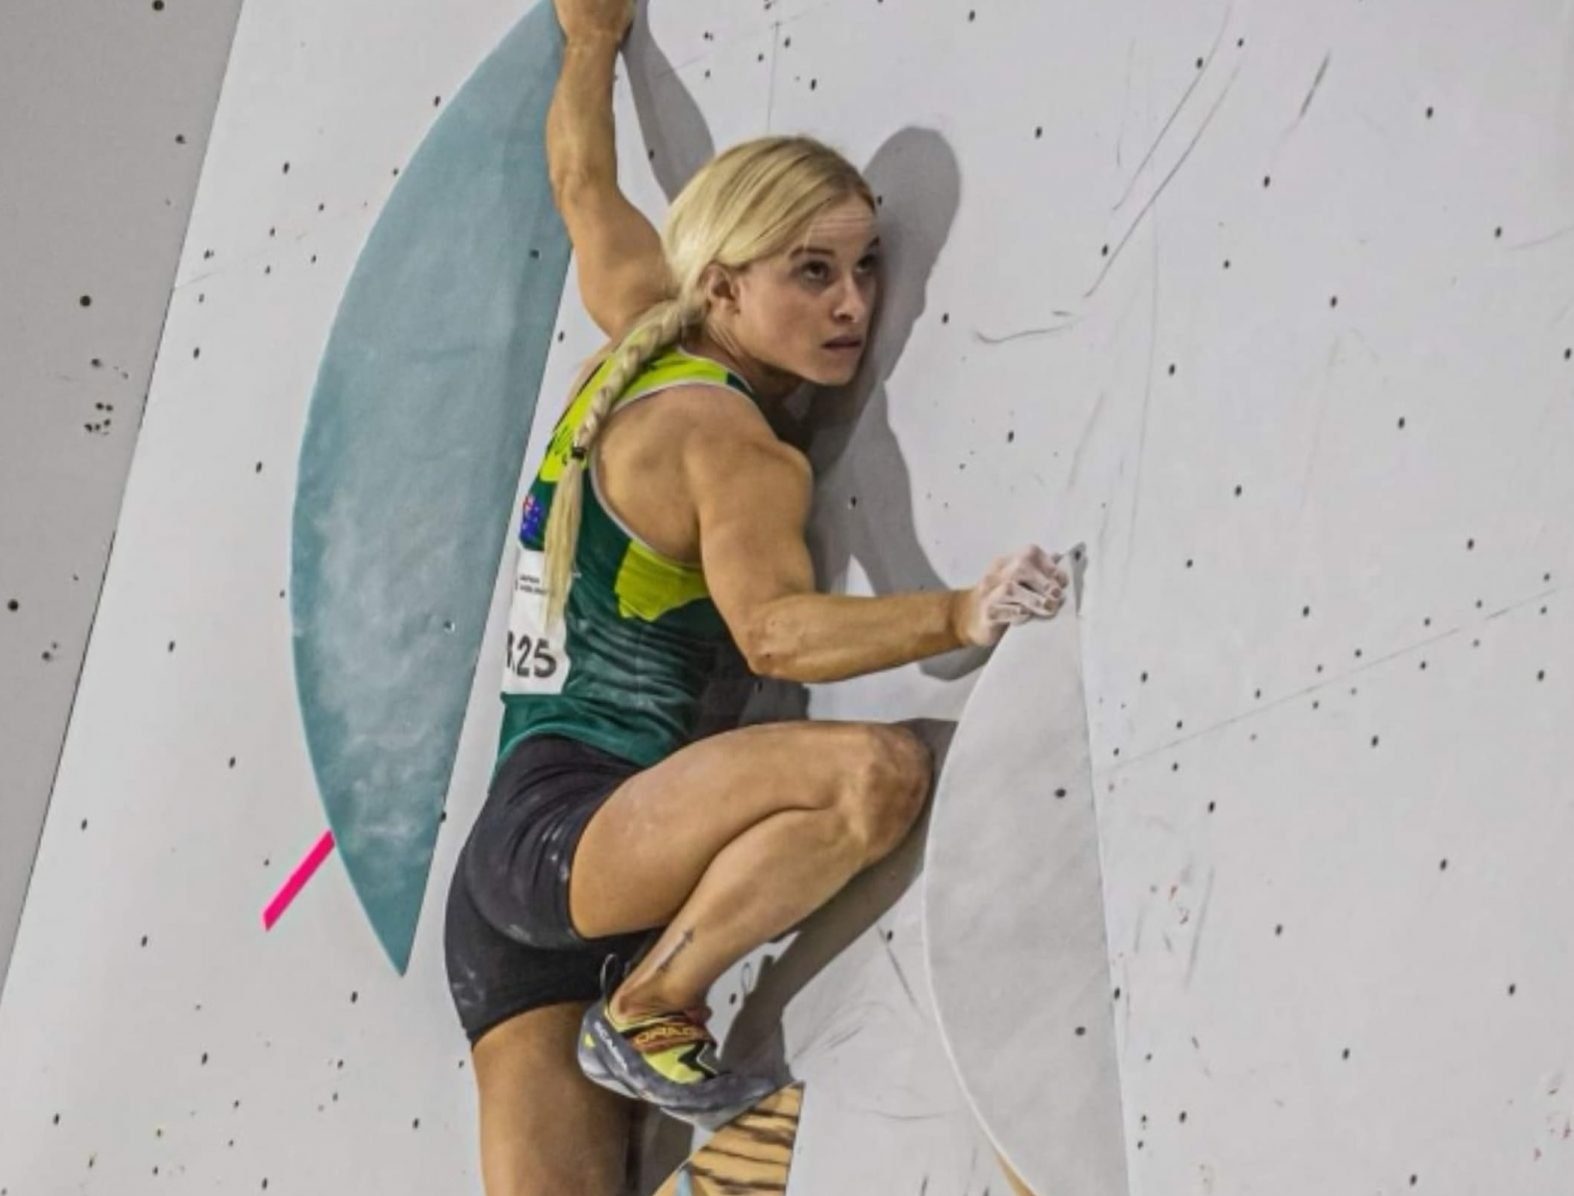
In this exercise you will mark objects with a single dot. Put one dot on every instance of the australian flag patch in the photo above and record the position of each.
(533, 520)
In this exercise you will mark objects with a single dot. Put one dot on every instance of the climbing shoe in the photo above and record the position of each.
(665, 1059)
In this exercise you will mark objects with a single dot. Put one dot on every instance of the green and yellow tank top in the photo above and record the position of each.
(625, 666)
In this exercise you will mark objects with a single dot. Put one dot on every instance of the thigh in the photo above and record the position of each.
(545, 1129)
(648, 844)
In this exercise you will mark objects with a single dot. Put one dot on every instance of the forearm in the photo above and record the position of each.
(580, 134)
(830, 637)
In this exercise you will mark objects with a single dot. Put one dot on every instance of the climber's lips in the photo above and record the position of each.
(846, 346)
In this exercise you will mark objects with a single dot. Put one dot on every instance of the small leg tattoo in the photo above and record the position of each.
(673, 952)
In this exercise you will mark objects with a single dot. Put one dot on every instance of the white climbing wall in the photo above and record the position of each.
(102, 145)
(1272, 305)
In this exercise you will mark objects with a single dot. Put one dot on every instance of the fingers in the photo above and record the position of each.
(1010, 613)
(1027, 584)
(1032, 598)
(1019, 602)
(1049, 563)
(1034, 582)
(1043, 583)
(1033, 562)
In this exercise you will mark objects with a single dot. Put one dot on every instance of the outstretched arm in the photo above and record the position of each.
(622, 271)
(752, 496)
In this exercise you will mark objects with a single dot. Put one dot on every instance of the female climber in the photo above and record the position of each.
(666, 518)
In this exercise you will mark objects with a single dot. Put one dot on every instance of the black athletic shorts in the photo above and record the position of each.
(508, 942)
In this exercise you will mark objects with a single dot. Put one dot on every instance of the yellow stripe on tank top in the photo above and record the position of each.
(648, 586)
(674, 368)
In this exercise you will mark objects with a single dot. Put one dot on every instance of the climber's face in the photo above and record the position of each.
(779, 318)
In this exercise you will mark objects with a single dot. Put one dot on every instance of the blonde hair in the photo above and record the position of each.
(750, 202)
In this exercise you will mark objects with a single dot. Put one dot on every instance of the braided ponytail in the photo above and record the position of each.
(659, 328)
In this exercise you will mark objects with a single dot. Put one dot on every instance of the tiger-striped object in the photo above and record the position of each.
(749, 1156)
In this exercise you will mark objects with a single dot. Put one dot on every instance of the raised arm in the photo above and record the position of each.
(621, 268)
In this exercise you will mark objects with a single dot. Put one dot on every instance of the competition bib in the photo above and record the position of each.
(537, 654)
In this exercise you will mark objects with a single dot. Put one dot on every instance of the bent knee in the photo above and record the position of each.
(889, 785)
